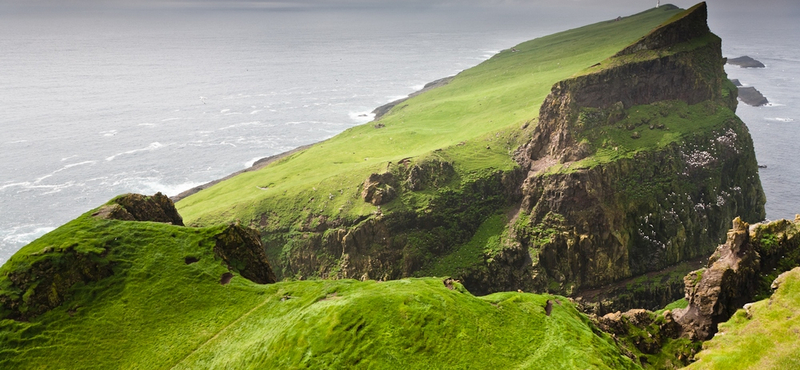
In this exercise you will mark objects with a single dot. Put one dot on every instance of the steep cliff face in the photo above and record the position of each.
(632, 165)
(636, 165)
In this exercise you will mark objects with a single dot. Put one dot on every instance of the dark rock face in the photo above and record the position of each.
(737, 272)
(690, 25)
(594, 226)
(241, 249)
(137, 207)
(378, 189)
(746, 62)
(46, 283)
(750, 96)
(716, 292)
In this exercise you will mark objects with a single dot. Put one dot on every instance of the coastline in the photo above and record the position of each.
(263, 162)
(257, 165)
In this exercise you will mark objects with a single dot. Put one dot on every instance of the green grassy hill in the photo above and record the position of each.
(462, 137)
(496, 97)
(156, 311)
(109, 293)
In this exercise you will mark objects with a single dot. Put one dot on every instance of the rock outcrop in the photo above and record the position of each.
(716, 292)
(736, 274)
(750, 96)
(378, 189)
(46, 283)
(137, 207)
(241, 249)
(746, 62)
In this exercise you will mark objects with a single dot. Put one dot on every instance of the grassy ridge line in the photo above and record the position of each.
(157, 312)
(502, 93)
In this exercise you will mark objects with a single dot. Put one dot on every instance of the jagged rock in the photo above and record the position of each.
(750, 96)
(746, 62)
(716, 292)
(137, 207)
(378, 189)
(639, 328)
(736, 82)
(241, 249)
(428, 173)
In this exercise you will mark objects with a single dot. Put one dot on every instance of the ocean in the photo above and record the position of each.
(99, 101)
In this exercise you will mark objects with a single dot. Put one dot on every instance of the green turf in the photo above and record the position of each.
(475, 119)
(157, 312)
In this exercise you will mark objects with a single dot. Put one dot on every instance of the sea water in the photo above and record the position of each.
(96, 102)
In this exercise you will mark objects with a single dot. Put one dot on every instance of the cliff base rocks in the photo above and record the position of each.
(745, 62)
(750, 96)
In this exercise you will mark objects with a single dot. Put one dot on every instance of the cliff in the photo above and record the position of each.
(637, 164)
(530, 171)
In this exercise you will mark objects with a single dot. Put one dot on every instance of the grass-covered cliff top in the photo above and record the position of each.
(165, 307)
(475, 120)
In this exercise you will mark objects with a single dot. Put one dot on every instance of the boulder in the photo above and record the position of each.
(378, 190)
(241, 249)
(137, 207)
(746, 62)
(750, 96)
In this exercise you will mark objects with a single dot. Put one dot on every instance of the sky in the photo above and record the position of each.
(791, 6)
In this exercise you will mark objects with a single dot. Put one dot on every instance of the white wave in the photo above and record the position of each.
(418, 87)
(251, 162)
(24, 234)
(155, 186)
(17, 142)
(109, 132)
(172, 119)
(396, 97)
(67, 158)
(251, 123)
(779, 119)
(149, 148)
(15, 184)
(147, 124)
(51, 174)
(27, 185)
(255, 111)
(225, 110)
(361, 117)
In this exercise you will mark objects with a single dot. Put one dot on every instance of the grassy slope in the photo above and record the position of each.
(768, 339)
(499, 95)
(156, 312)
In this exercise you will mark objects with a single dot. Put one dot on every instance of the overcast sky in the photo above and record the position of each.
(788, 5)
